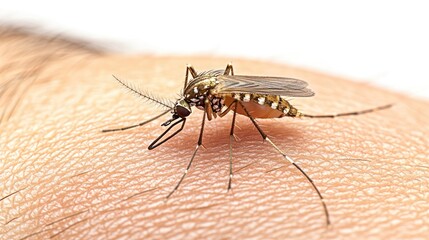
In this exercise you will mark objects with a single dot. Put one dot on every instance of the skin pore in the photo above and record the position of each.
(61, 177)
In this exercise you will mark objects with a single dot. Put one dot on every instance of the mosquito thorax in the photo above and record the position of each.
(202, 89)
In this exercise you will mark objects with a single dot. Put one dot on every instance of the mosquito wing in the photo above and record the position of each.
(263, 85)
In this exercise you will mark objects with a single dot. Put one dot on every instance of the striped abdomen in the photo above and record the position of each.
(262, 106)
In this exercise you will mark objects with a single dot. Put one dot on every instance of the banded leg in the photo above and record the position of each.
(265, 137)
(136, 125)
(231, 139)
(200, 142)
(229, 70)
(348, 113)
(194, 74)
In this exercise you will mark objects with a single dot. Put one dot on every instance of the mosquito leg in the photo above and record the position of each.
(231, 139)
(229, 69)
(155, 143)
(226, 110)
(136, 125)
(348, 113)
(190, 69)
(209, 111)
(265, 137)
(200, 142)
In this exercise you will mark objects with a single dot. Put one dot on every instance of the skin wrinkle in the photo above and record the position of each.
(79, 98)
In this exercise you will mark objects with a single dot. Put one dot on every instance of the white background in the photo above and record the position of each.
(382, 42)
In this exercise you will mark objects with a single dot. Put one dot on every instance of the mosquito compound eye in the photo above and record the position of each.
(183, 109)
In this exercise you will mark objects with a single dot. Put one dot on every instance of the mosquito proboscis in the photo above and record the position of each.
(217, 92)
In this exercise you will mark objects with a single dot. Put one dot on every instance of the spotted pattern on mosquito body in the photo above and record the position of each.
(201, 89)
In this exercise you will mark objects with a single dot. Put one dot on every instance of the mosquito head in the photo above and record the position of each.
(181, 109)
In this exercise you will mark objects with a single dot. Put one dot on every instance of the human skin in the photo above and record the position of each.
(61, 177)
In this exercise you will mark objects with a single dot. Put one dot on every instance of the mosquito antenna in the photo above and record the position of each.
(348, 113)
(141, 94)
(136, 125)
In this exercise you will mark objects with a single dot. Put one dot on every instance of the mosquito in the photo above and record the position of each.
(217, 92)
